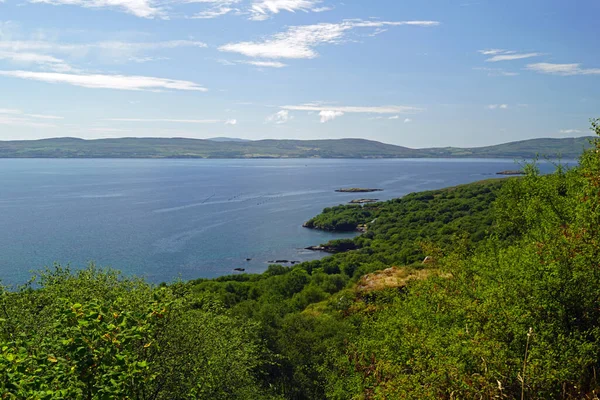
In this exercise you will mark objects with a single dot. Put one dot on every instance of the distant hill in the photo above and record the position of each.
(227, 139)
(340, 148)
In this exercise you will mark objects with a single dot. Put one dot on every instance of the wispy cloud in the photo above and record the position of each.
(394, 117)
(329, 112)
(570, 131)
(99, 81)
(256, 63)
(23, 122)
(231, 122)
(139, 8)
(497, 106)
(408, 121)
(491, 52)
(280, 117)
(41, 60)
(506, 55)
(213, 13)
(562, 69)
(496, 71)
(18, 118)
(176, 121)
(106, 49)
(511, 57)
(265, 64)
(299, 42)
(353, 109)
(258, 10)
(59, 57)
(263, 9)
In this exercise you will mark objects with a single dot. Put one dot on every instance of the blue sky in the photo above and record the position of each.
(417, 73)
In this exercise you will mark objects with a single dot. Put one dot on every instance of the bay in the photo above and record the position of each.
(187, 219)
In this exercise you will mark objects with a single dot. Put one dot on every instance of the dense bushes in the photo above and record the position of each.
(99, 336)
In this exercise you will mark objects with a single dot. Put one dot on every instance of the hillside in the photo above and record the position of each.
(341, 148)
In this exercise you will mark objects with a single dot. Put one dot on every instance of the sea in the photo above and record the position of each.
(166, 219)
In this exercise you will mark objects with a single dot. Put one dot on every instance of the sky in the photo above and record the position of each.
(416, 73)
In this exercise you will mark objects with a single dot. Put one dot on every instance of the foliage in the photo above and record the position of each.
(342, 218)
(516, 318)
(96, 335)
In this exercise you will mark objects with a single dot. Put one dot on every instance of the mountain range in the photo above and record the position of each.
(567, 148)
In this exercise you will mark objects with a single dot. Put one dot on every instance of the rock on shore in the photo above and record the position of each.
(358, 190)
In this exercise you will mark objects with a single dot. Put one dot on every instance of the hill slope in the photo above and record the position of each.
(341, 148)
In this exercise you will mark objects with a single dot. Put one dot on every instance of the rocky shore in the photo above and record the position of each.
(324, 248)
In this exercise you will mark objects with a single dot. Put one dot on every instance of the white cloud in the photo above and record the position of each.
(259, 9)
(231, 122)
(213, 13)
(299, 42)
(562, 69)
(139, 8)
(29, 57)
(498, 106)
(506, 55)
(394, 117)
(570, 131)
(263, 9)
(407, 121)
(354, 109)
(177, 121)
(491, 52)
(142, 60)
(41, 116)
(321, 9)
(49, 55)
(328, 112)
(99, 81)
(9, 111)
(329, 115)
(280, 117)
(511, 57)
(265, 64)
(82, 49)
(42, 60)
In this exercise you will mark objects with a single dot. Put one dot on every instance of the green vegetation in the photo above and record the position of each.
(506, 306)
(95, 335)
(343, 148)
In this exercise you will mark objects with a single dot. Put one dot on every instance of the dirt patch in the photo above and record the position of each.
(393, 277)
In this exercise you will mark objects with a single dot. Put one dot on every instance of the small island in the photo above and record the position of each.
(358, 190)
(364, 201)
(515, 172)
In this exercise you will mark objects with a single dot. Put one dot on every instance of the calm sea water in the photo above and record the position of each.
(169, 219)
